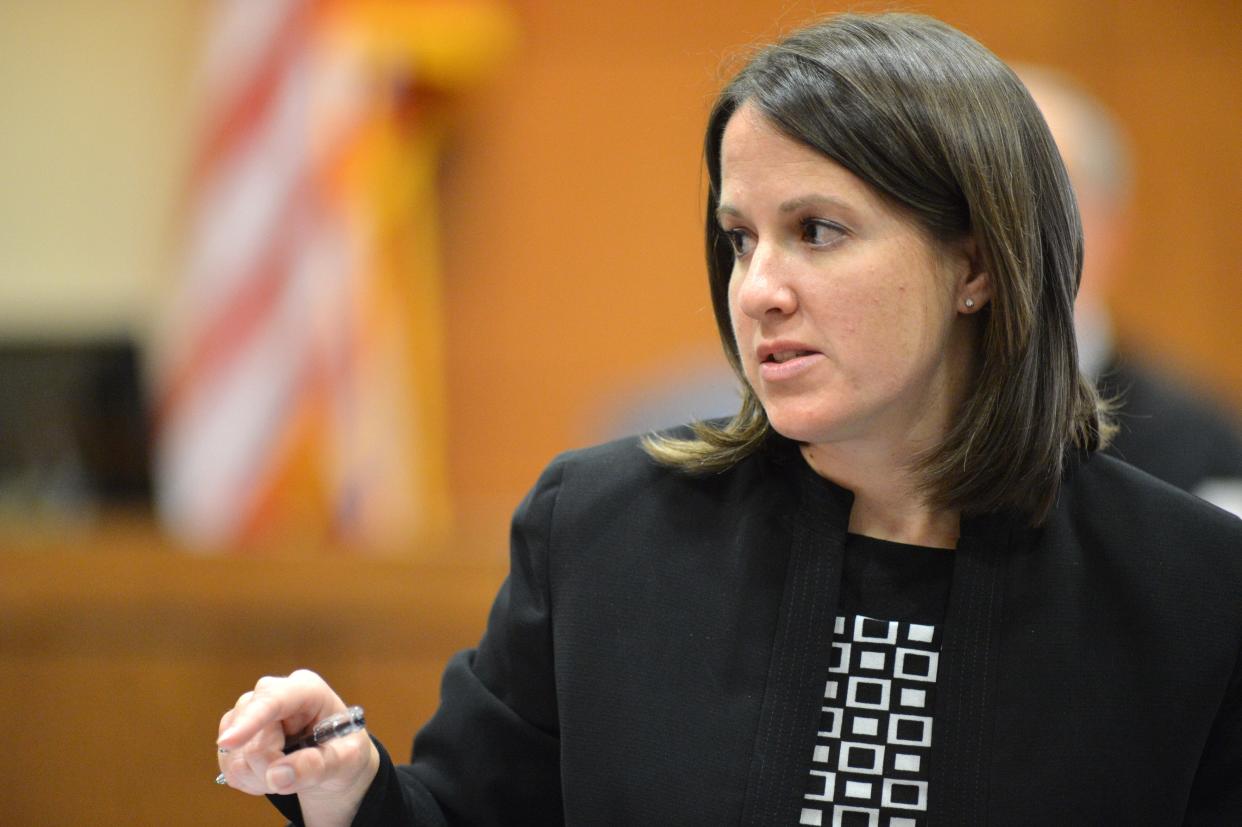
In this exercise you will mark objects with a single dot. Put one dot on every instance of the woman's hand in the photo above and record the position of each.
(330, 780)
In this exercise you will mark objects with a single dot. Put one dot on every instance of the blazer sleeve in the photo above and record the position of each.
(491, 752)
(1216, 797)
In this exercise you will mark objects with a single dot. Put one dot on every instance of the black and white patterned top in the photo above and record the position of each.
(874, 744)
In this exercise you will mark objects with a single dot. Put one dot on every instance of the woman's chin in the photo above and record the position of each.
(802, 427)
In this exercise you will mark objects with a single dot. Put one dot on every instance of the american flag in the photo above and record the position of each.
(298, 372)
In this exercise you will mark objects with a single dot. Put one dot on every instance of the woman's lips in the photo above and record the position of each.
(783, 365)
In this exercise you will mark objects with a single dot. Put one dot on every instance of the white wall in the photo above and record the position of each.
(94, 122)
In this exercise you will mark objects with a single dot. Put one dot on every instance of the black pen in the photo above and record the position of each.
(334, 726)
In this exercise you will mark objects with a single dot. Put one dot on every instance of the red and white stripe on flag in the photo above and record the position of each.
(288, 401)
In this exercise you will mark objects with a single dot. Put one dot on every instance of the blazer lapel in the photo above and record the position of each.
(964, 717)
(801, 650)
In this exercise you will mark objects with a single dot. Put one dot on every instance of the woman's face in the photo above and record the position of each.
(848, 317)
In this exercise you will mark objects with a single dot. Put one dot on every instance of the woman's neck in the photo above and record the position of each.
(888, 504)
(914, 526)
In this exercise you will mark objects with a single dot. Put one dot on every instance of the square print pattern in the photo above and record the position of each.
(869, 766)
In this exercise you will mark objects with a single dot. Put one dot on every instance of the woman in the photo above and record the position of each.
(900, 587)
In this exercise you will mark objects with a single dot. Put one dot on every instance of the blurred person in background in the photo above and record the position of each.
(1163, 427)
(903, 584)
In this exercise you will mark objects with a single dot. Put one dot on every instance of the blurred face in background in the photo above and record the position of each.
(1101, 201)
(844, 310)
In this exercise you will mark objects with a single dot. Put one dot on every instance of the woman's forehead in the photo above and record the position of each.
(758, 160)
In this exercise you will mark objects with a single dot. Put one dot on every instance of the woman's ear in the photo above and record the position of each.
(973, 284)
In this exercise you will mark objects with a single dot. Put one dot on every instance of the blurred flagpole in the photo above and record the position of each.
(299, 373)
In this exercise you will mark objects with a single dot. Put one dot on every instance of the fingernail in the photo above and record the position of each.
(280, 777)
(227, 734)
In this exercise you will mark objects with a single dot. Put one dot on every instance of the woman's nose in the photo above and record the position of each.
(765, 289)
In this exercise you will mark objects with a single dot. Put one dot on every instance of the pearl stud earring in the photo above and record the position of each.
(970, 303)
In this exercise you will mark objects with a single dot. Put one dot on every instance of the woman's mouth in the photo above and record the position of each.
(782, 365)
(785, 355)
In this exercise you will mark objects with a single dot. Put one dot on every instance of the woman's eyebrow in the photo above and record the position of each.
(813, 200)
(792, 205)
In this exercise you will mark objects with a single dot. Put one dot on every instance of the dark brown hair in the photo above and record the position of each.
(939, 126)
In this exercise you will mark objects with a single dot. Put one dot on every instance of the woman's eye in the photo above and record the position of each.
(740, 241)
(820, 233)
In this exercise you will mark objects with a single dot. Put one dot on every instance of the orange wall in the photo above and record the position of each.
(573, 199)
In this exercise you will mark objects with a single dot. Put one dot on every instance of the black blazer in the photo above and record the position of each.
(658, 653)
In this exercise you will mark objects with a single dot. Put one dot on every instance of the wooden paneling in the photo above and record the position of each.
(116, 664)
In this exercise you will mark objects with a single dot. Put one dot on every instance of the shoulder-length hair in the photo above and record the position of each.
(935, 123)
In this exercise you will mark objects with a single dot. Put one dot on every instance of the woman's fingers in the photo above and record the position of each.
(293, 702)
(245, 767)
(253, 733)
(239, 774)
(300, 770)
(259, 771)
